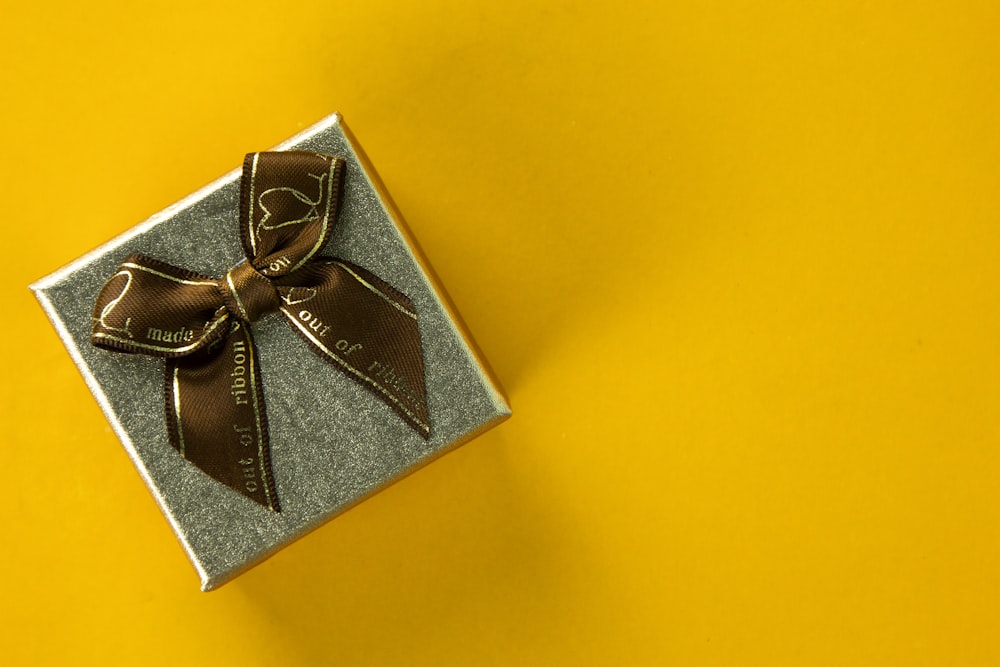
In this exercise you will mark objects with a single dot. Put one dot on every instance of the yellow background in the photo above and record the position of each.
(736, 264)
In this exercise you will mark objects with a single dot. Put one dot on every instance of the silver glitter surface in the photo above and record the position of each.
(332, 443)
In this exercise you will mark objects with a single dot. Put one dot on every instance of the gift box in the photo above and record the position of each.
(333, 442)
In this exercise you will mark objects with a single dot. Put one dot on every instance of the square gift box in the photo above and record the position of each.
(332, 443)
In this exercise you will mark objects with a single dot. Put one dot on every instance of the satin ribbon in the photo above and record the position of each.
(213, 394)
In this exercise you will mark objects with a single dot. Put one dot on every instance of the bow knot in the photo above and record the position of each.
(247, 293)
(214, 396)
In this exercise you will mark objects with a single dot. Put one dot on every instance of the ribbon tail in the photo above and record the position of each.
(216, 418)
(364, 327)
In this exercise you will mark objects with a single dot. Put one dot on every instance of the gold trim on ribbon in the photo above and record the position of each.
(376, 290)
(177, 411)
(183, 281)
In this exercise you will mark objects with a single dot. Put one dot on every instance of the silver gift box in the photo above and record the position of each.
(332, 443)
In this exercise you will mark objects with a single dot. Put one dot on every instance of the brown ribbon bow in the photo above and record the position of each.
(214, 400)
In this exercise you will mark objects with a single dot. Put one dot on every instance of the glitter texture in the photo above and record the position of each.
(332, 443)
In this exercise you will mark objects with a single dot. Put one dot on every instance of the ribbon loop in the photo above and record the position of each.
(151, 307)
(288, 205)
(362, 325)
